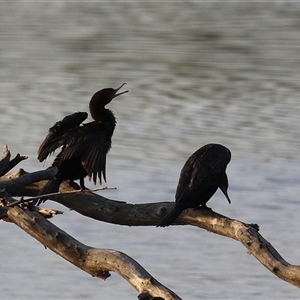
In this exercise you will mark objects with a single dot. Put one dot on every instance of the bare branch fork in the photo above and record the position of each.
(6, 164)
(122, 213)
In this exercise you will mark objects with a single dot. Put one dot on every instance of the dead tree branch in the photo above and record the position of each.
(122, 213)
(103, 209)
(6, 164)
(14, 182)
(96, 262)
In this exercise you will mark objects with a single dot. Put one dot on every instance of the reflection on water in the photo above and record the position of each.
(197, 73)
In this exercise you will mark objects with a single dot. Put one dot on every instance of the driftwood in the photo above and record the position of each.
(122, 213)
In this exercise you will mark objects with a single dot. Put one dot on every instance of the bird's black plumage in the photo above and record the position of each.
(203, 173)
(84, 146)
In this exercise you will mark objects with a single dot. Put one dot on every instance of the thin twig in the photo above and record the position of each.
(22, 200)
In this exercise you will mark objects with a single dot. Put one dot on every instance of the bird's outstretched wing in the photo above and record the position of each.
(90, 144)
(60, 133)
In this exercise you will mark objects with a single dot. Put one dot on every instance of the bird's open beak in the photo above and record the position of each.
(116, 95)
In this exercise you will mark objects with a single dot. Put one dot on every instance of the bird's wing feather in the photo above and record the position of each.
(60, 133)
(186, 176)
(202, 172)
(90, 144)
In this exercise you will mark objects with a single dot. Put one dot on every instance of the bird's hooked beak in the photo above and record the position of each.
(116, 91)
(224, 186)
(226, 194)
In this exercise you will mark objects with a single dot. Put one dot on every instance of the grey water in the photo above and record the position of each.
(197, 72)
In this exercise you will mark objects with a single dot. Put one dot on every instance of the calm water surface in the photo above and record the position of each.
(197, 73)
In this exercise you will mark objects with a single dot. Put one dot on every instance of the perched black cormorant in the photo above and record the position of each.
(84, 146)
(203, 173)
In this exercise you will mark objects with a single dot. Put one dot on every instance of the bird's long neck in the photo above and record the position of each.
(105, 116)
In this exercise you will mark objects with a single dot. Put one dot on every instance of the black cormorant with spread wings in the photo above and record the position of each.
(83, 146)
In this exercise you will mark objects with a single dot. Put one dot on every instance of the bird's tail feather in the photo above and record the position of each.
(52, 186)
(169, 218)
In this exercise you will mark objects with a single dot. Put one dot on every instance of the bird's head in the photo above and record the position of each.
(103, 97)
